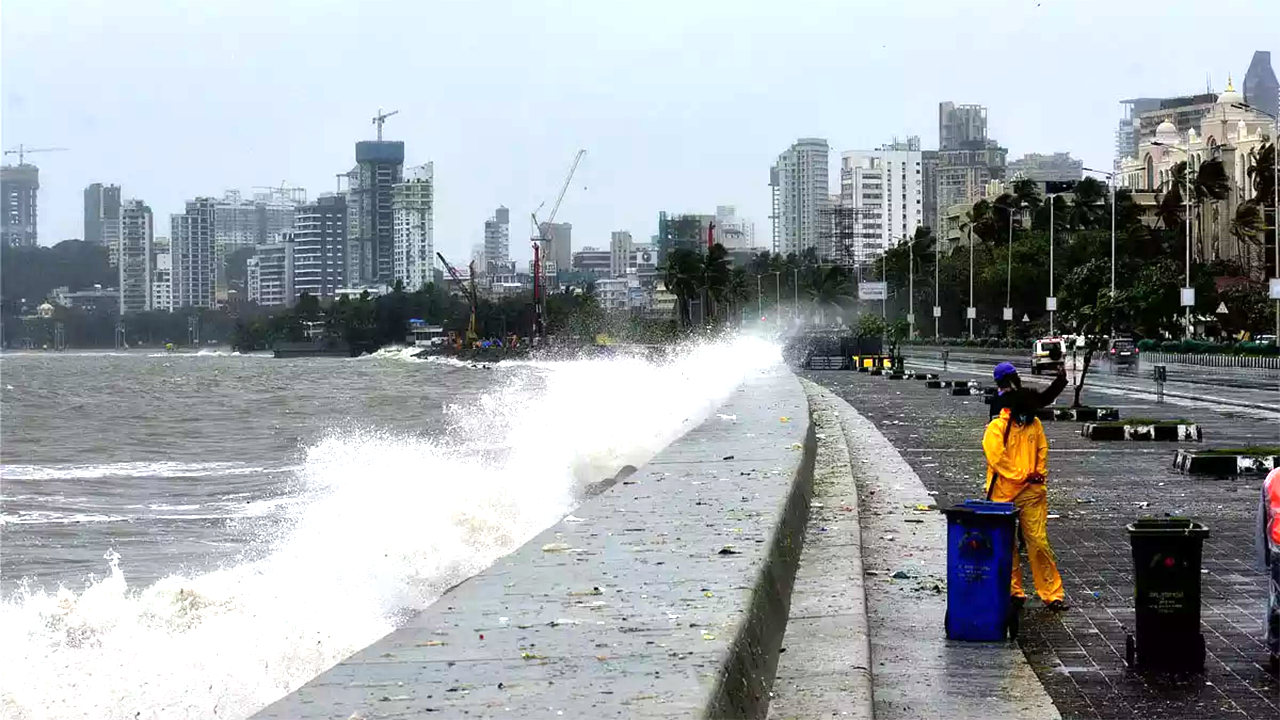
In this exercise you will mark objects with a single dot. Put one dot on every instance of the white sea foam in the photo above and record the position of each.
(126, 469)
(385, 523)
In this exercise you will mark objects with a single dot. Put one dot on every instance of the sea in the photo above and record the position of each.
(194, 535)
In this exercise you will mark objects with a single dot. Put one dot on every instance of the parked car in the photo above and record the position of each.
(1123, 352)
(1047, 353)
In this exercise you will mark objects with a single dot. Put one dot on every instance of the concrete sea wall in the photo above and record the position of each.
(666, 595)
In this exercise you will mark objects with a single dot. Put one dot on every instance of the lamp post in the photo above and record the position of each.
(1008, 283)
(1186, 184)
(1111, 183)
(1275, 200)
(1052, 303)
(937, 301)
(777, 297)
(797, 295)
(969, 311)
(759, 297)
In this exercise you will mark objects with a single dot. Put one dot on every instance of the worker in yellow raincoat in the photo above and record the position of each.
(1017, 466)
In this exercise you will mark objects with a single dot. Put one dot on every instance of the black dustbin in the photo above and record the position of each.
(1166, 580)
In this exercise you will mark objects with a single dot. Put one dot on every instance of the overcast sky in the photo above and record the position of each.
(681, 105)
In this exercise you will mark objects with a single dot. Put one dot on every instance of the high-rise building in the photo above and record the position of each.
(561, 250)
(413, 203)
(732, 231)
(320, 246)
(619, 252)
(929, 166)
(497, 242)
(102, 218)
(886, 187)
(968, 161)
(240, 224)
(681, 231)
(370, 217)
(1143, 115)
(136, 233)
(271, 274)
(1041, 168)
(161, 275)
(799, 184)
(191, 247)
(20, 190)
(1260, 87)
(592, 261)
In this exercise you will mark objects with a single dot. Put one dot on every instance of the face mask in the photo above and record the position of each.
(1023, 417)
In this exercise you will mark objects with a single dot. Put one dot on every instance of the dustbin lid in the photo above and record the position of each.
(984, 507)
(1168, 526)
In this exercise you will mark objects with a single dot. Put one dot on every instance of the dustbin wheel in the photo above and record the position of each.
(946, 623)
(1014, 618)
(1130, 650)
(1200, 653)
(1274, 664)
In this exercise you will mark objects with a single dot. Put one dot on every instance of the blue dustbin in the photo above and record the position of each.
(980, 547)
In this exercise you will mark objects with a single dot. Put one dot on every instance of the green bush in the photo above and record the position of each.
(1148, 345)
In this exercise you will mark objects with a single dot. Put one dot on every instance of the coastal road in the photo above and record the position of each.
(1239, 387)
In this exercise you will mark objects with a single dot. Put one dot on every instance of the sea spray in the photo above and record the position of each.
(380, 524)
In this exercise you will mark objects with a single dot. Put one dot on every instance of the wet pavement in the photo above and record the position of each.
(1095, 489)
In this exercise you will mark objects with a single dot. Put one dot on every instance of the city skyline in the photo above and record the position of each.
(511, 144)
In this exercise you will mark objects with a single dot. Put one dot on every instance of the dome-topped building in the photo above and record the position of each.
(1230, 96)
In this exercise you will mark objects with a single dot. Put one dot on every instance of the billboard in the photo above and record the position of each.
(872, 291)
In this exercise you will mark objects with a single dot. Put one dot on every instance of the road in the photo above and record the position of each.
(1187, 384)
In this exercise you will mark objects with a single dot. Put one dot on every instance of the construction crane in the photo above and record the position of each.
(469, 292)
(381, 118)
(296, 195)
(542, 238)
(22, 150)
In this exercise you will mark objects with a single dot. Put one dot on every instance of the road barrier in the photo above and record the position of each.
(1264, 362)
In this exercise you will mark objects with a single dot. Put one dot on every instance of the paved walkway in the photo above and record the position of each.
(1095, 489)
(915, 671)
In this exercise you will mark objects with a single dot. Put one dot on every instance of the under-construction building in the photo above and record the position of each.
(843, 229)
(370, 215)
(20, 186)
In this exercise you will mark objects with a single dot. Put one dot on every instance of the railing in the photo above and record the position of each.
(1266, 362)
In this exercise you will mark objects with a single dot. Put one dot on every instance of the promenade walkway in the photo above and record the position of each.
(1095, 489)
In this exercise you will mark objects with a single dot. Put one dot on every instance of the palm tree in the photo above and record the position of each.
(1211, 184)
(684, 278)
(1026, 193)
(1086, 207)
(830, 287)
(1247, 226)
(716, 275)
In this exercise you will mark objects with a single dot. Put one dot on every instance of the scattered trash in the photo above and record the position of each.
(708, 636)
(901, 575)
(555, 547)
(1054, 516)
(581, 593)
(846, 508)
(1143, 504)
(501, 686)
(708, 593)
(797, 446)
(915, 520)
(728, 550)
(727, 457)
(572, 519)
(925, 508)
(730, 418)
(784, 419)
(887, 537)
(481, 636)
(529, 656)
(816, 504)
(557, 623)
(871, 572)
(431, 643)
(503, 620)
(1086, 500)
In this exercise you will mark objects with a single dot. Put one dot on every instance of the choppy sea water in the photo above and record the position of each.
(194, 536)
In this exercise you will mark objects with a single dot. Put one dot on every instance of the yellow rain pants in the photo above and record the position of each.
(1015, 452)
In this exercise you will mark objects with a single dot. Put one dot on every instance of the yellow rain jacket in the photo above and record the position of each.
(1014, 451)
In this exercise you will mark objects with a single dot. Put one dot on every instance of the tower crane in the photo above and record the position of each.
(381, 118)
(293, 194)
(543, 239)
(468, 291)
(22, 150)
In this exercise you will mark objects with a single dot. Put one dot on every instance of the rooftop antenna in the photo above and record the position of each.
(381, 118)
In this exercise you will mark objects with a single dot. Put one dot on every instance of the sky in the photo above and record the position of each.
(680, 105)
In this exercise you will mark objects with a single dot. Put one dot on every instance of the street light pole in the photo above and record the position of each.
(777, 297)
(911, 290)
(1275, 200)
(1051, 198)
(797, 294)
(759, 298)
(966, 311)
(884, 299)
(1111, 183)
(1186, 184)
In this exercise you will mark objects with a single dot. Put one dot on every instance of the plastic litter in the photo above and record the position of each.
(784, 419)
(728, 550)
(555, 547)
(901, 575)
